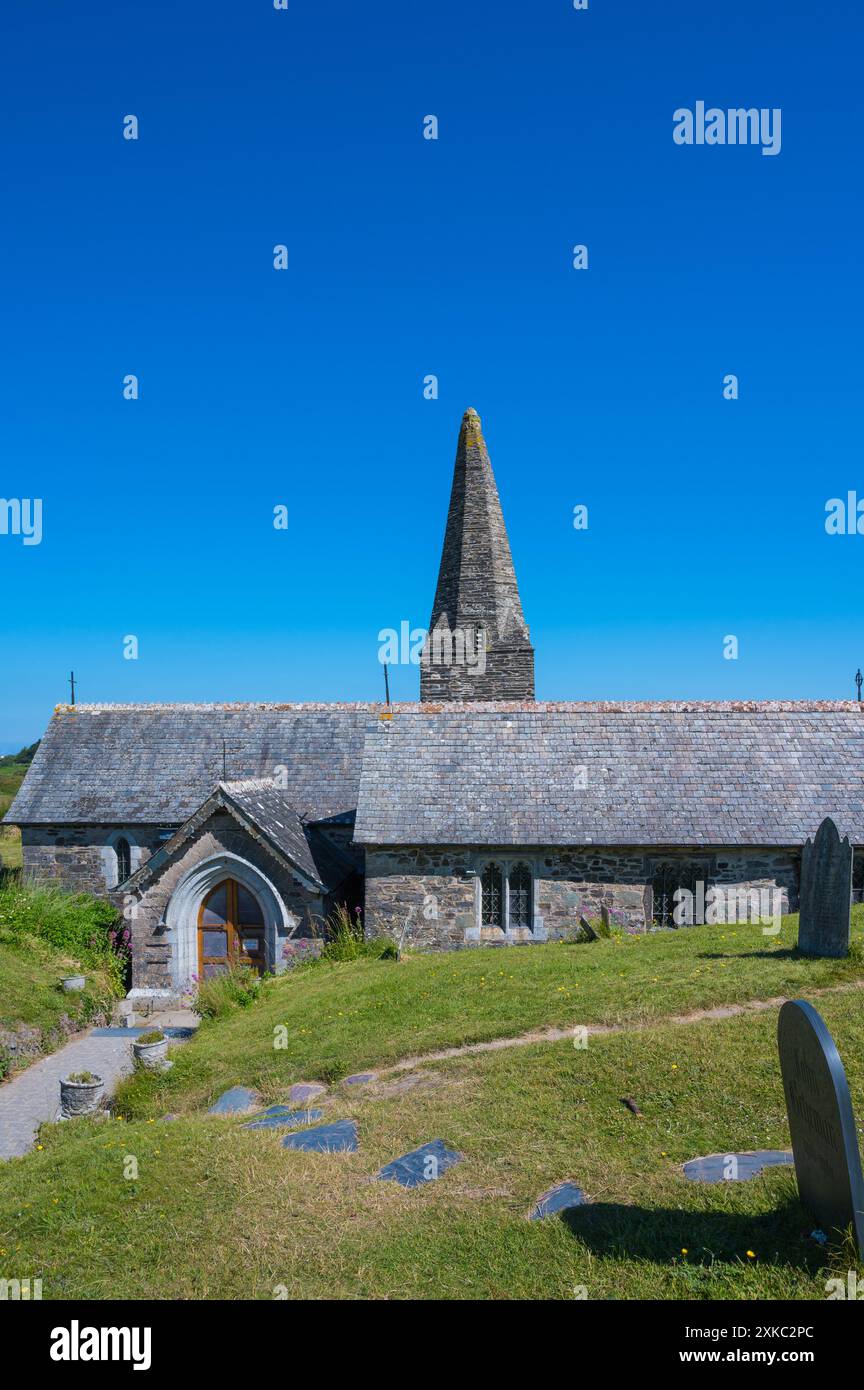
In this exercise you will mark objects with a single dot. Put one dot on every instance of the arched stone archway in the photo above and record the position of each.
(181, 916)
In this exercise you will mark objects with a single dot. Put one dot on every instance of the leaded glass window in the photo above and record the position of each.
(492, 894)
(124, 860)
(520, 896)
(667, 880)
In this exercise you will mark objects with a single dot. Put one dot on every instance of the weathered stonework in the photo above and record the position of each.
(153, 949)
(477, 598)
(80, 858)
(429, 898)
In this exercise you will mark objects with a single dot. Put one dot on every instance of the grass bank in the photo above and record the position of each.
(217, 1211)
(326, 1021)
(45, 935)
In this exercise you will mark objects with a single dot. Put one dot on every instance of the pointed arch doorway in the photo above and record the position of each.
(231, 930)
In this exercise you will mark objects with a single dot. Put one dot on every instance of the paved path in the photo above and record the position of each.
(33, 1095)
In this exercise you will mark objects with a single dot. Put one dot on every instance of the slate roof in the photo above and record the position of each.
(267, 807)
(496, 773)
(664, 773)
(262, 811)
(155, 764)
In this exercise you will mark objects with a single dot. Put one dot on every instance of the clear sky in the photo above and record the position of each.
(409, 257)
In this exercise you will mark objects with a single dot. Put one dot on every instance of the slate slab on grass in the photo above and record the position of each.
(340, 1137)
(235, 1101)
(360, 1078)
(721, 1168)
(562, 1197)
(420, 1165)
(277, 1117)
(302, 1091)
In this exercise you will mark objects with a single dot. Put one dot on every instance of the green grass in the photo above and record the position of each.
(34, 1004)
(221, 1212)
(11, 854)
(338, 1018)
(45, 935)
(11, 776)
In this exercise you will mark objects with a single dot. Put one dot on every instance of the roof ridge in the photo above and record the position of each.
(490, 706)
(248, 784)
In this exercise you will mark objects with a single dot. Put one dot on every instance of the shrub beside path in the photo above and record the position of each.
(32, 1097)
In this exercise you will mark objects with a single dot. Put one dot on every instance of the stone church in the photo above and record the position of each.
(477, 816)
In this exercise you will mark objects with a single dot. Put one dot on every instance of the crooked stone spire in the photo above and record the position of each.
(478, 646)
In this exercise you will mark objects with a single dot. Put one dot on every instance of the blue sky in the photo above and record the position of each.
(409, 257)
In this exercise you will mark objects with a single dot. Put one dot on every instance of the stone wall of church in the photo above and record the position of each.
(79, 858)
(429, 897)
(507, 674)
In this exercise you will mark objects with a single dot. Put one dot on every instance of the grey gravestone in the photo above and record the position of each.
(734, 1167)
(425, 1164)
(233, 1102)
(563, 1197)
(821, 1122)
(277, 1117)
(339, 1137)
(302, 1091)
(826, 893)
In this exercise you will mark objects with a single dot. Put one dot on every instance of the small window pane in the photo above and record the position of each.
(124, 860)
(667, 881)
(211, 969)
(520, 896)
(492, 892)
(216, 907)
(215, 943)
(248, 912)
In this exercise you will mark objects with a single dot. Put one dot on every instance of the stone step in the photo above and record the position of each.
(140, 1006)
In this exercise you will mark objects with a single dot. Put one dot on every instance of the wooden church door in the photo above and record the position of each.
(230, 931)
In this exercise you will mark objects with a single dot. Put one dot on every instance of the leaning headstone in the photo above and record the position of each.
(826, 893)
(821, 1122)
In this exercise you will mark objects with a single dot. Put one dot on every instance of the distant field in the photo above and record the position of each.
(12, 772)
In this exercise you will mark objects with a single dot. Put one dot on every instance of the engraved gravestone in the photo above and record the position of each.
(821, 1122)
(826, 893)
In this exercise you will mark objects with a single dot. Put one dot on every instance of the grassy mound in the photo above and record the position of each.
(213, 1210)
(45, 935)
(328, 1020)
(217, 1211)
